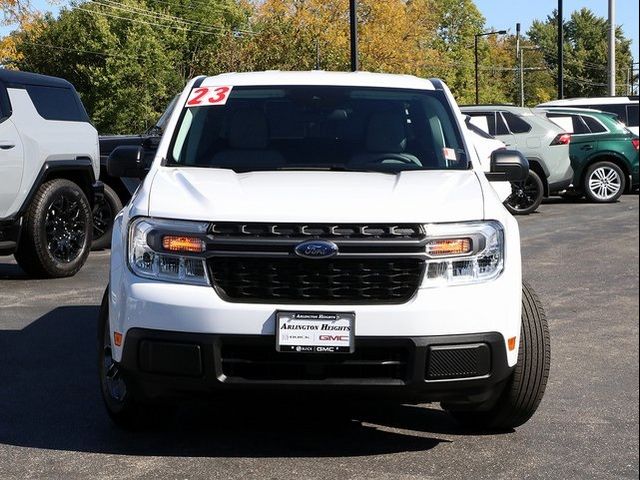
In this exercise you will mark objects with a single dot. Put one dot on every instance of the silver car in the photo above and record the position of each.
(541, 141)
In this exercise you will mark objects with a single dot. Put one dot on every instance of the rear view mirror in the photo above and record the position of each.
(127, 161)
(508, 166)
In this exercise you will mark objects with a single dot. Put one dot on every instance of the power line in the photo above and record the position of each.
(583, 81)
(173, 27)
(159, 15)
(197, 3)
(78, 50)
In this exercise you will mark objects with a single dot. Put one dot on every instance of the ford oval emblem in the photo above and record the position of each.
(316, 249)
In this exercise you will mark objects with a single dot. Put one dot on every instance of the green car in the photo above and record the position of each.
(603, 152)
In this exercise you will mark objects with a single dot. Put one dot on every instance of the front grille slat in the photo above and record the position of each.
(317, 230)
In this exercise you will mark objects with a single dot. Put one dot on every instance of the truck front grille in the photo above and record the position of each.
(293, 280)
(375, 263)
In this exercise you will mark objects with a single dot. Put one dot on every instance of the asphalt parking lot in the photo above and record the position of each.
(581, 258)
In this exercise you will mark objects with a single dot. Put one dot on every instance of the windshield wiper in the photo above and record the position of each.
(336, 168)
(333, 168)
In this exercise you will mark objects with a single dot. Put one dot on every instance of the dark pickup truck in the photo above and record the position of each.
(118, 191)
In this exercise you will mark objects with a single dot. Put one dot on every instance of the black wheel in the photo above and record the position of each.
(124, 408)
(525, 196)
(104, 212)
(523, 393)
(604, 182)
(57, 231)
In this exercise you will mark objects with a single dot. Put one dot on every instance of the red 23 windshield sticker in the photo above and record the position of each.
(208, 96)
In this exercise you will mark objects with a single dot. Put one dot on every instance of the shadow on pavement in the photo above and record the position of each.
(11, 271)
(50, 400)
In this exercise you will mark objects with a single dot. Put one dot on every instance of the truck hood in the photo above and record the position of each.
(317, 196)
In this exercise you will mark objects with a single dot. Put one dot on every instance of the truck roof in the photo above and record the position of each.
(322, 78)
(14, 77)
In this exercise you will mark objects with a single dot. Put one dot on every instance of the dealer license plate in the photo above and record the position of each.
(315, 332)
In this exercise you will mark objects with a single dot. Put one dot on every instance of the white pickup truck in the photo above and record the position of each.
(320, 232)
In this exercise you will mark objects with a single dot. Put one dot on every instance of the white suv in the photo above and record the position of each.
(320, 232)
(49, 163)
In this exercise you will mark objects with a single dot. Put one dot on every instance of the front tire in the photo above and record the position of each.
(521, 396)
(57, 231)
(604, 182)
(125, 409)
(526, 196)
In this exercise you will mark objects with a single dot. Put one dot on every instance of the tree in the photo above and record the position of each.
(428, 38)
(14, 10)
(457, 23)
(585, 51)
(20, 13)
(128, 58)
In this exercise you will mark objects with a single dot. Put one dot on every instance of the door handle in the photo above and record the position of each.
(587, 147)
(6, 146)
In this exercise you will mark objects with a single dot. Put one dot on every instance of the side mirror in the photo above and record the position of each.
(127, 161)
(508, 166)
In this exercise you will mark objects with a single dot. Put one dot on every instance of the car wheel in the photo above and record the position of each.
(56, 235)
(525, 196)
(524, 390)
(104, 212)
(125, 409)
(604, 182)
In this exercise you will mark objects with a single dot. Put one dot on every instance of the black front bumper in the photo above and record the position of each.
(457, 368)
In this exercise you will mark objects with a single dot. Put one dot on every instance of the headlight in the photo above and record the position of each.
(463, 253)
(168, 250)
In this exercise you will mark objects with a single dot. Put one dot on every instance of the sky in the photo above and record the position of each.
(504, 14)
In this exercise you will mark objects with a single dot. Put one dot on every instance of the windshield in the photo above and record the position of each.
(313, 127)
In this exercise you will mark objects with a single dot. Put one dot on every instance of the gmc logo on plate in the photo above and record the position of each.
(334, 338)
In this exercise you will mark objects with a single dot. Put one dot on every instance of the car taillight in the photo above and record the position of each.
(562, 139)
(636, 143)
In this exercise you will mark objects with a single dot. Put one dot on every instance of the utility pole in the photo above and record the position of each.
(612, 49)
(519, 59)
(560, 51)
(522, 77)
(353, 24)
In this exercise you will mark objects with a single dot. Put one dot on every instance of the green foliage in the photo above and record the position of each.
(128, 62)
(585, 51)
(458, 21)
(128, 58)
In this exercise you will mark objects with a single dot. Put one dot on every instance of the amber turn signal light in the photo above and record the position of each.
(117, 338)
(450, 246)
(174, 243)
(511, 343)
